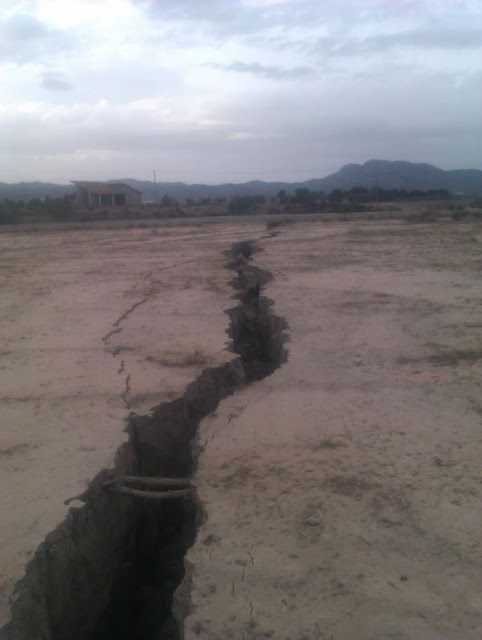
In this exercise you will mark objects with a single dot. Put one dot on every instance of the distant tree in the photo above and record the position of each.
(336, 196)
(167, 201)
(59, 208)
(306, 198)
(239, 205)
(36, 204)
(283, 197)
(358, 194)
(8, 214)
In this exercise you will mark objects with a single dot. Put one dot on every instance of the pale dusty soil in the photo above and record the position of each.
(94, 324)
(342, 493)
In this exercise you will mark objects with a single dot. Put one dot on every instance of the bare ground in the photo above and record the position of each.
(342, 493)
(95, 324)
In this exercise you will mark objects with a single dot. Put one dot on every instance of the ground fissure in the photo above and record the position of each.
(111, 568)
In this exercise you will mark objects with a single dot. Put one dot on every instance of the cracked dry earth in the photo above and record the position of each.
(95, 324)
(341, 494)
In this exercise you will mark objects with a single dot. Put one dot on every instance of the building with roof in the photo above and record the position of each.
(95, 195)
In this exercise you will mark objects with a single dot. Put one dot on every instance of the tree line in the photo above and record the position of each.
(15, 211)
(354, 199)
(300, 199)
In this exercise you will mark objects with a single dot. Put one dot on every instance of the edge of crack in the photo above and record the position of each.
(67, 583)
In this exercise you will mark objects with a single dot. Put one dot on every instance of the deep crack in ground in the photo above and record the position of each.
(111, 569)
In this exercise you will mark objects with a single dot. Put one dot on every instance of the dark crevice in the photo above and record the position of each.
(111, 569)
(257, 333)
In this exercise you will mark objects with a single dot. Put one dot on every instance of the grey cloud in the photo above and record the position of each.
(272, 72)
(224, 16)
(24, 38)
(227, 18)
(422, 38)
(298, 123)
(208, 10)
(275, 26)
(30, 135)
(188, 153)
(468, 38)
(53, 81)
(276, 43)
(387, 106)
(118, 83)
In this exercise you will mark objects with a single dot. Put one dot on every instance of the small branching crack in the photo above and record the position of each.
(114, 567)
(117, 328)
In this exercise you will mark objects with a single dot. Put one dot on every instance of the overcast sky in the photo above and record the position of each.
(231, 90)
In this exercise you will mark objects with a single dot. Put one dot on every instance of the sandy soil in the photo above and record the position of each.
(342, 493)
(94, 324)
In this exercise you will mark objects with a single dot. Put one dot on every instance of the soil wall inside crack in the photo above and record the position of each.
(111, 568)
(258, 336)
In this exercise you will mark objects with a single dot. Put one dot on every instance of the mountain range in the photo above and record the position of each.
(382, 173)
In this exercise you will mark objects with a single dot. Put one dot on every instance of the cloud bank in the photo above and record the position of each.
(235, 89)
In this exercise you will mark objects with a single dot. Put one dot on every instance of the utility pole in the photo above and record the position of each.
(155, 185)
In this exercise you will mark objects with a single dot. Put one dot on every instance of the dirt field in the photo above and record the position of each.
(94, 324)
(341, 493)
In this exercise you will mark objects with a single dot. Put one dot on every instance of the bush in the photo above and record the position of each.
(60, 209)
(239, 205)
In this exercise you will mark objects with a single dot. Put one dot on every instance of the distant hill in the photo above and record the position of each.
(29, 190)
(401, 175)
(183, 190)
(382, 173)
